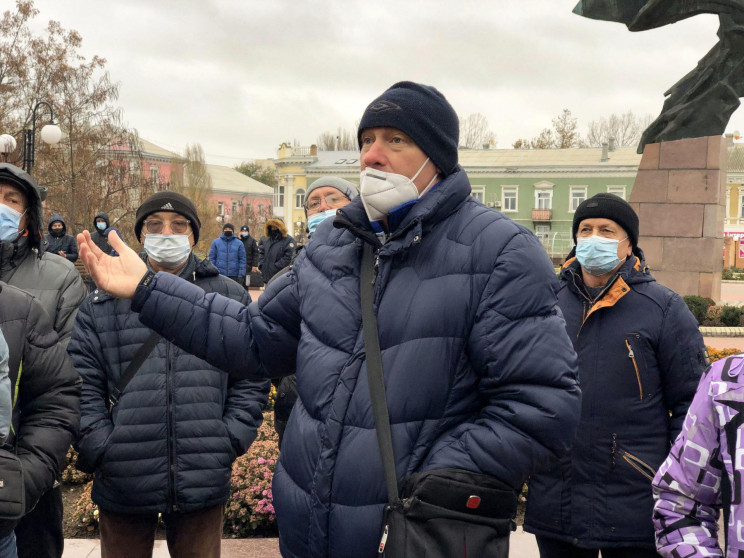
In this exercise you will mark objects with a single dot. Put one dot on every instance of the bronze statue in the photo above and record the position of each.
(702, 102)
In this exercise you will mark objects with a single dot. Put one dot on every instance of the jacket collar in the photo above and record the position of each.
(422, 217)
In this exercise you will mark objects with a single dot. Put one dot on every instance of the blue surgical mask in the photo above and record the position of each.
(168, 250)
(318, 218)
(9, 221)
(598, 255)
(101, 226)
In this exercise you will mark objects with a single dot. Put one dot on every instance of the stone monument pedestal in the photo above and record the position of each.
(680, 197)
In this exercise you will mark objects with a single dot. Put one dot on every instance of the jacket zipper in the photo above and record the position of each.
(631, 356)
(169, 436)
(383, 541)
(639, 465)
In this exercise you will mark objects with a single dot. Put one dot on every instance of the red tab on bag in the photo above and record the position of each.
(473, 502)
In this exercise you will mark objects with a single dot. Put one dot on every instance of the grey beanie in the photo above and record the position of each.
(347, 188)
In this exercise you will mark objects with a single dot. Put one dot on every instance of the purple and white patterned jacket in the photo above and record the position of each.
(687, 487)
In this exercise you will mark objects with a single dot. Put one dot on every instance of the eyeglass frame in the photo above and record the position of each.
(170, 225)
(325, 198)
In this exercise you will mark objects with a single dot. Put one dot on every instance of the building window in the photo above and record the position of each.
(154, 174)
(509, 199)
(478, 192)
(544, 199)
(260, 210)
(617, 190)
(543, 231)
(235, 208)
(299, 199)
(220, 208)
(279, 196)
(577, 195)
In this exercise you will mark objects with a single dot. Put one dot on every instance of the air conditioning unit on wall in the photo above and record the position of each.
(495, 205)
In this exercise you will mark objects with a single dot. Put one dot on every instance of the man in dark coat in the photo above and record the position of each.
(478, 369)
(58, 241)
(46, 413)
(102, 227)
(641, 356)
(251, 253)
(57, 285)
(323, 197)
(276, 250)
(169, 444)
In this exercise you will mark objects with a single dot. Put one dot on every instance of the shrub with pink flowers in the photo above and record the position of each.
(250, 508)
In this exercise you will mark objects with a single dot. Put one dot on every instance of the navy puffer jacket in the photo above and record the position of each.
(479, 371)
(179, 423)
(227, 254)
(641, 356)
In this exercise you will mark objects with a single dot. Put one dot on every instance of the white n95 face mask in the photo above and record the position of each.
(168, 250)
(382, 191)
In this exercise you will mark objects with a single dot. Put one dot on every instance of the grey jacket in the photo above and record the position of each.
(53, 280)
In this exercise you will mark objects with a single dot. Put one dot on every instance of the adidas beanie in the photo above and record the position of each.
(167, 201)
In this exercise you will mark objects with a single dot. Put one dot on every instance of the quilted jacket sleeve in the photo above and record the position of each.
(86, 354)
(245, 341)
(49, 396)
(71, 295)
(246, 400)
(529, 386)
(686, 486)
(682, 360)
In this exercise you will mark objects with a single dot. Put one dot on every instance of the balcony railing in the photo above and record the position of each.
(541, 214)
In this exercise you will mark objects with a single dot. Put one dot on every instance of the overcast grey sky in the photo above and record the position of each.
(241, 76)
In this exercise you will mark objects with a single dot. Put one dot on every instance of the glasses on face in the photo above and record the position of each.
(333, 201)
(156, 226)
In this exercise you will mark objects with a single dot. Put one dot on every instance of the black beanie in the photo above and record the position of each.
(423, 113)
(608, 206)
(167, 201)
(228, 226)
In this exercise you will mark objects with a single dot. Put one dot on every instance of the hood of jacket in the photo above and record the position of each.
(101, 215)
(277, 224)
(57, 218)
(22, 180)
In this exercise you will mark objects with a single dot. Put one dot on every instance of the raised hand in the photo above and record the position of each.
(117, 276)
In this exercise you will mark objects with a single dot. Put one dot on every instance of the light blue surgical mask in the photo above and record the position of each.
(10, 219)
(168, 250)
(318, 218)
(597, 254)
(101, 226)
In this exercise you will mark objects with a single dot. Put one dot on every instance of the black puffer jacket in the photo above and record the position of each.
(46, 411)
(276, 250)
(180, 422)
(63, 243)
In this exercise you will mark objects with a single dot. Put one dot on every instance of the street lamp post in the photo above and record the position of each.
(50, 134)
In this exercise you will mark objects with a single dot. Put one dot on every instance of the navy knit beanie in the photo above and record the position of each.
(423, 113)
(608, 206)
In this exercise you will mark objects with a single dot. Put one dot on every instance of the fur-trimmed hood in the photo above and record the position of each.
(277, 224)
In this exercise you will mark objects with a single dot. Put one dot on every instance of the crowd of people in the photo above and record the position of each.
(591, 386)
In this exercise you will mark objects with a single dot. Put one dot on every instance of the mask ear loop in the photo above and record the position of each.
(431, 182)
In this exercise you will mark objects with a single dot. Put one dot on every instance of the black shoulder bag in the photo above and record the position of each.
(441, 513)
